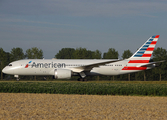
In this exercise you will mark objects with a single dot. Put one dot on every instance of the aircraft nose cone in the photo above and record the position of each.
(4, 70)
(7, 71)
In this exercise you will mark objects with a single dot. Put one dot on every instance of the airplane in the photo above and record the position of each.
(66, 68)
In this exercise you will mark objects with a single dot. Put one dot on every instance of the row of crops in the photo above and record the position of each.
(84, 88)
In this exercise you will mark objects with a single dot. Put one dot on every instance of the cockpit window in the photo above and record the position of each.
(10, 65)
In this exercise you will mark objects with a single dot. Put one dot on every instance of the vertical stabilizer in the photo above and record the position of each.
(143, 54)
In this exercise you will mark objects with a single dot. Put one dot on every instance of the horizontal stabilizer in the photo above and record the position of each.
(150, 64)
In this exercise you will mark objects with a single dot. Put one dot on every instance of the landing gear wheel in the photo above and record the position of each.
(17, 79)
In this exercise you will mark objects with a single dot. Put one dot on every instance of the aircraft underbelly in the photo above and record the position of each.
(106, 70)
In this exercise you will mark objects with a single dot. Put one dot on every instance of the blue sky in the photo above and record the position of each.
(51, 25)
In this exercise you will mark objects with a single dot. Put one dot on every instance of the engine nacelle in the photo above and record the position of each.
(62, 74)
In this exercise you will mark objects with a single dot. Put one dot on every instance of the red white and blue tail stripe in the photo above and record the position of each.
(146, 50)
(142, 56)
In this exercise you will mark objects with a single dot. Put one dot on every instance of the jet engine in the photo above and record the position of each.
(62, 74)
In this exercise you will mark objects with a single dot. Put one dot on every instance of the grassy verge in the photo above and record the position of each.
(90, 88)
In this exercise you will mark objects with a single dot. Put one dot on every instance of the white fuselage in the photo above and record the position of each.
(47, 66)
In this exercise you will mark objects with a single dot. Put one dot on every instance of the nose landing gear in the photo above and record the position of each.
(17, 77)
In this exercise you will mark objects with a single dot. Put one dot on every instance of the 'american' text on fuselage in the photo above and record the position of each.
(48, 65)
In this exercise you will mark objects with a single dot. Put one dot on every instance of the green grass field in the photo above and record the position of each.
(144, 88)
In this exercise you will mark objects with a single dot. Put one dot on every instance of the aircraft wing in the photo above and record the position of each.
(91, 66)
(151, 63)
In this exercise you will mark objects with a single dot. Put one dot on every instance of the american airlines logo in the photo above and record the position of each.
(27, 64)
(46, 65)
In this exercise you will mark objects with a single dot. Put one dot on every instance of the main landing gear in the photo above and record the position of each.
(82, 77)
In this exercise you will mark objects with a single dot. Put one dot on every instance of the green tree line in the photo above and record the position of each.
(158, 73)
